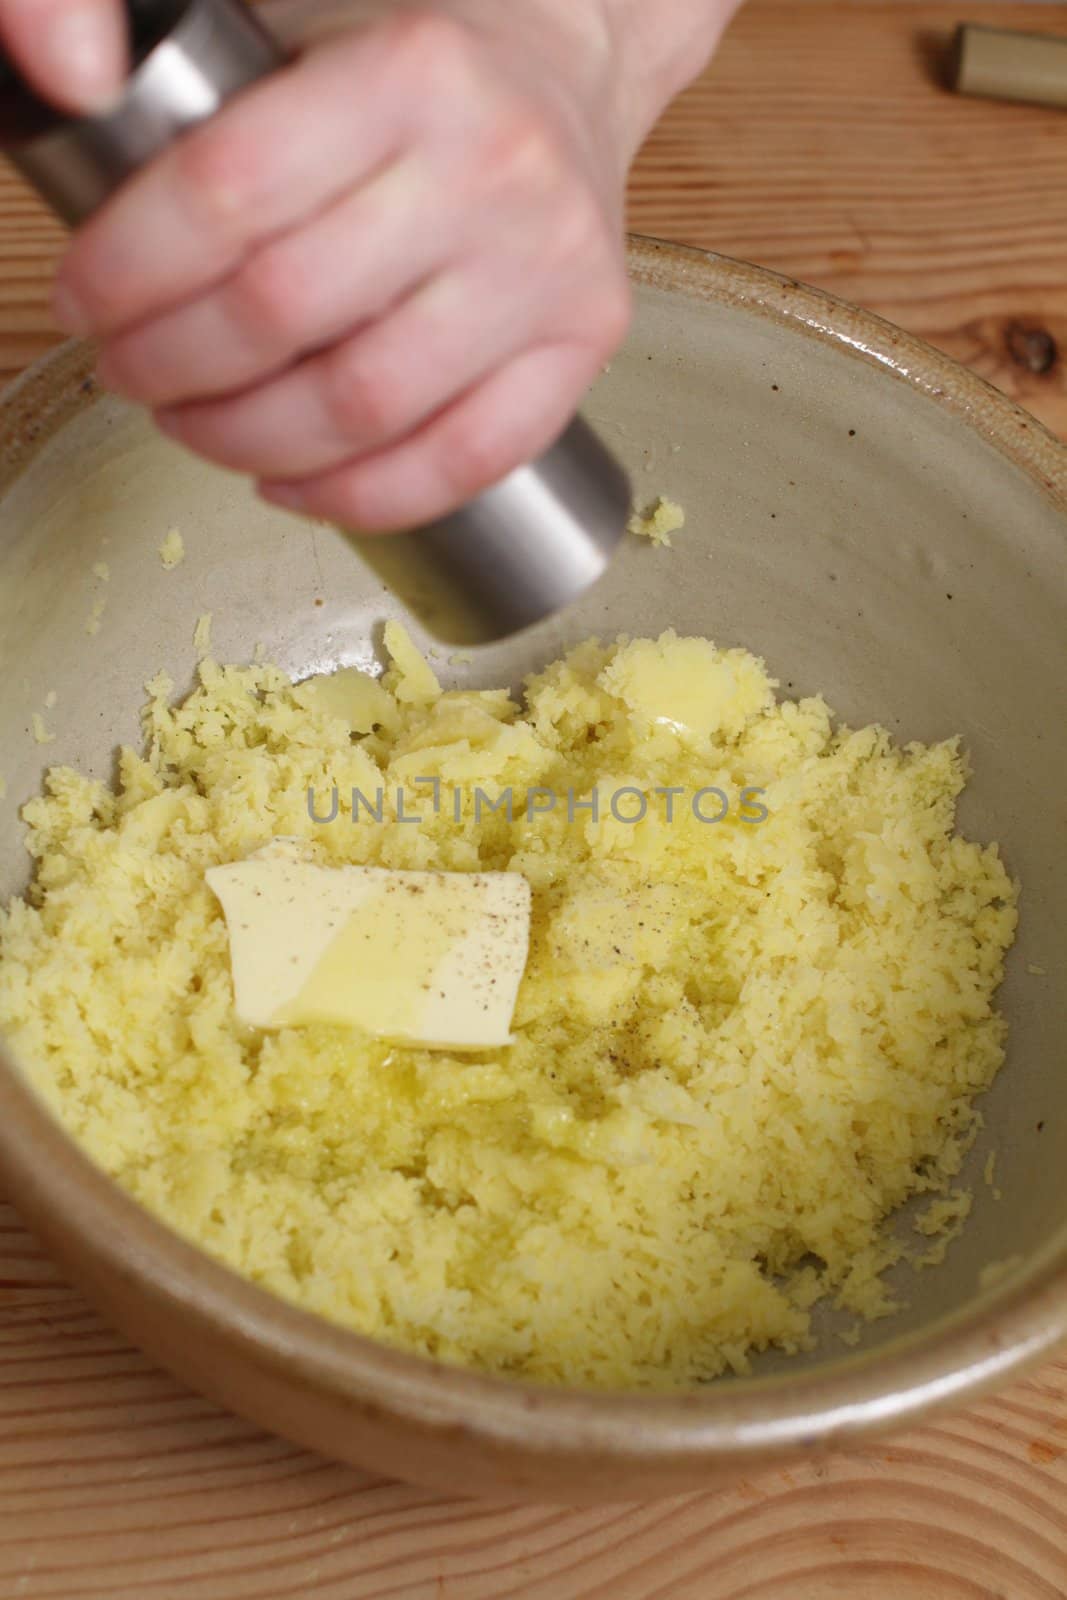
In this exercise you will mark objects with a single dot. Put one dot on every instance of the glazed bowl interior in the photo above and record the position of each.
(874, 524)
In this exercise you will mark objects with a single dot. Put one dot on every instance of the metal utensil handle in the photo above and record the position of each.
(213, 50)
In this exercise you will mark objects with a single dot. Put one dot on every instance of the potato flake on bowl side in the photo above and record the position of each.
(657, 522)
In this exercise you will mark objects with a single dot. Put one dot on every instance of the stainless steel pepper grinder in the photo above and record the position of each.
(515, 555)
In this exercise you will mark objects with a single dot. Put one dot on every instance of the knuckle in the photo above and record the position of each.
(364, 397)
(522, 153)
(267, 298)
(433, 50)
(216, 172)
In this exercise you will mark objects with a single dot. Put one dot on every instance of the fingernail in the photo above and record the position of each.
(290, 496)
(68, 310)
(86, 46)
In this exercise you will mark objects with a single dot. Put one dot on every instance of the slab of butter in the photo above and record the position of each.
(432, 959)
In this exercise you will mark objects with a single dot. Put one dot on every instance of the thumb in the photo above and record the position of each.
(74, 53)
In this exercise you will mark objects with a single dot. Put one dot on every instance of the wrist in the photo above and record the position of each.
(621, 61)
(661, 47)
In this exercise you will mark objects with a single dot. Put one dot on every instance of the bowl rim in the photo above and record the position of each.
(851, 1397)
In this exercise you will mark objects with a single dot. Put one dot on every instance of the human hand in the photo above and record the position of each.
(384, 278)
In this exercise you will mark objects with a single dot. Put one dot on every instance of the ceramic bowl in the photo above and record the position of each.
(880, 526)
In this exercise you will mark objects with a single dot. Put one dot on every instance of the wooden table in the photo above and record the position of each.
(820, 144)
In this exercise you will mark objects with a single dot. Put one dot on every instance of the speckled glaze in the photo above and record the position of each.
(877, 523)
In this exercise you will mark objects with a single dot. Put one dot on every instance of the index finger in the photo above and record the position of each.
(282, 150)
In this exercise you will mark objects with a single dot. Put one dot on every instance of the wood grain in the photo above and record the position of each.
(820, 145)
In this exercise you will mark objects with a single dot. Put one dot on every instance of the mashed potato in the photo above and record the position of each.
(740, 1044)
(661, 519)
